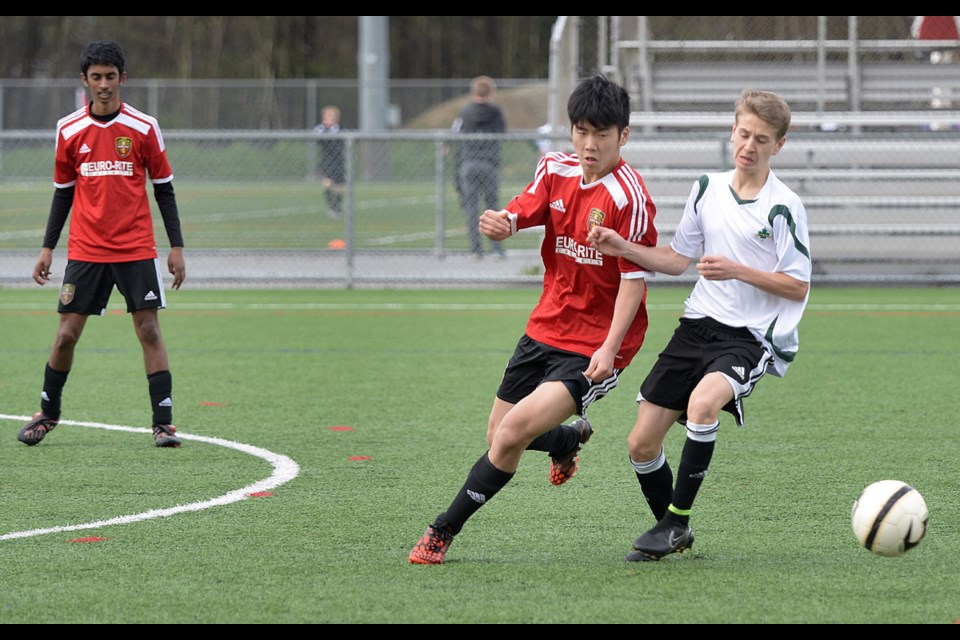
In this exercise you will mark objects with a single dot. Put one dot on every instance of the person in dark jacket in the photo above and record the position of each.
(478, 161)
(332, 150)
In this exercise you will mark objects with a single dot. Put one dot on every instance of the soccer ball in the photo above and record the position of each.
(889, 517)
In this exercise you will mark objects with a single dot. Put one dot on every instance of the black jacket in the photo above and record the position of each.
(479, 117)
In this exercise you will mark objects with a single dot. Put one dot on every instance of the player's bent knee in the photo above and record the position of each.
(643, 449)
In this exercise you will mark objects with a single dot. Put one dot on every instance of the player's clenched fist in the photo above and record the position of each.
(606, 241)
(495, 224)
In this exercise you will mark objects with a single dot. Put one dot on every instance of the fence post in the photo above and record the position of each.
(2, 111)
(440, 181)
(821, 64)
(853, 67)
(348, 212)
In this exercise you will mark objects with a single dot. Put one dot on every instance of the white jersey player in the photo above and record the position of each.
(740, 321)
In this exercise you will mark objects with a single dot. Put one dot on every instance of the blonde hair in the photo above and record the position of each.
(767, 106)
(483, 86)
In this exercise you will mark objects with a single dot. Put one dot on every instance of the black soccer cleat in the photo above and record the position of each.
(35, 430)
(165, 435)
(664, 538)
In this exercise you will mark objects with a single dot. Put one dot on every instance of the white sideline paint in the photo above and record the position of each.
(284, 470)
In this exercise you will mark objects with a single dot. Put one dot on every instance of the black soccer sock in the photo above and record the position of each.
(161, 396)
(674, 518)
(656, 483)
(53, 382)
(560, 439)
(690, 474)
(483, 482)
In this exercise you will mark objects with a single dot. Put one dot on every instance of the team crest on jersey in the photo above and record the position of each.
(763, 234)
(595, 219)
(67, 292)
(123, 146)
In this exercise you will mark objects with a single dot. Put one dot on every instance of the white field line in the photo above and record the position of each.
(428, 306)
(284, 470)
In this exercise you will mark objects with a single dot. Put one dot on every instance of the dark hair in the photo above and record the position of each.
(104, 52)
(599, 102)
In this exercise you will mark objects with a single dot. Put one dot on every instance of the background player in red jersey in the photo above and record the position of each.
(591, 318)
(105, 153)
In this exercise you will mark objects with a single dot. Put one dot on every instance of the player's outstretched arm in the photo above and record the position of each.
(662, 259)
(776, 283)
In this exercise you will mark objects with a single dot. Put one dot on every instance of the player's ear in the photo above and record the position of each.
(624, 135)
(779, 145)
(123, 77)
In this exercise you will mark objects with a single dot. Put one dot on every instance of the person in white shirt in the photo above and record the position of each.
(740, 321)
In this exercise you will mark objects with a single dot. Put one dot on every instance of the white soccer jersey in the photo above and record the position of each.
(768, 233)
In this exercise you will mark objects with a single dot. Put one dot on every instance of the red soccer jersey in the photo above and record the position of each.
(109, 162)
(580, 284)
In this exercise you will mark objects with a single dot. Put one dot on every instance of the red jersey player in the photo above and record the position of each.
(106, 152)
(591, 317)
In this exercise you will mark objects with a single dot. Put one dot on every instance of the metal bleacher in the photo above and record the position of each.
(878, 208)
(881, 206)
(880, 85)
(874, 150)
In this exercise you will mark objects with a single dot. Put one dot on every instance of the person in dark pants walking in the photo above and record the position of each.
(478, 161)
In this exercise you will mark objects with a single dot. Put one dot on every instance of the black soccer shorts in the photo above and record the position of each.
(87, 286)
(534, 363)
(700, 346)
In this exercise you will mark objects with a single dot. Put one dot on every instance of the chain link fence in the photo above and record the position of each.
(873, 152)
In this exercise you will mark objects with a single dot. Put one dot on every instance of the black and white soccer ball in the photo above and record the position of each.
(889, 518)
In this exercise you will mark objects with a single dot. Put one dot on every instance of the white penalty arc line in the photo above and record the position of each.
(284, 470)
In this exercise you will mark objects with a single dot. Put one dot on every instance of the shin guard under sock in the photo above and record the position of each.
(483, 482)
(53, 382)
(656, 483)
(694, 462)
(161, 392)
